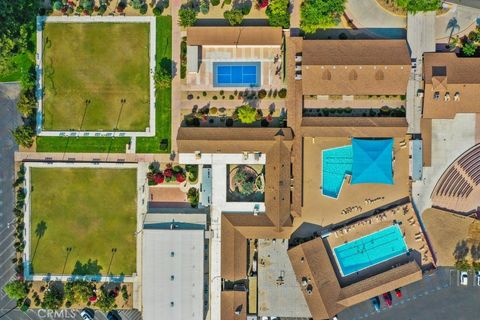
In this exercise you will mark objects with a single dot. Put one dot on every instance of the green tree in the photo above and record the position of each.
(193, 197)
(462, 265)
(26, 103)
(16, 289)
(414, 6)
(158, 10)
(105, 302)
(469, 49)
(278, 14)
(316, 14)
(246, 114)
(53, 298)
(163, 78)
(187, 16)
(78, 291)
(23, 136)
(234, 16)
(57, 5)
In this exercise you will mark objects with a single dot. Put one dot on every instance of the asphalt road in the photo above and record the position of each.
(10, 119)
(437, 296)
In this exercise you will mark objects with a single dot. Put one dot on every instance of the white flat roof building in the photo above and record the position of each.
(172, 285)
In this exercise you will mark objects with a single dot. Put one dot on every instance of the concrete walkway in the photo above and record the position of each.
(176, 81)
(460, 18)
(92, 157)
(368, 14)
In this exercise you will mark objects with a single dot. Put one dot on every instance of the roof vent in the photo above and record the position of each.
(172, 303)
(447, 96)
(456, 97)
(172, 277)
(172, 254)
(436, 95)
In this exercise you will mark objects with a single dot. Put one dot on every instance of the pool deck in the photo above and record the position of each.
(325, 211)
(410, 227)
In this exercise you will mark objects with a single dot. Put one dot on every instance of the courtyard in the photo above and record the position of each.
(96, 76)
(83, 221)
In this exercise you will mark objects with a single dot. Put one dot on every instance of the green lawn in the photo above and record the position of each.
(162, 116)
(100, 62)
(17, 66)
(89, 210)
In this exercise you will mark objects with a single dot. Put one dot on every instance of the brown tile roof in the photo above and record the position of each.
(327, 298)
(234, 36)
(353, 127)
(447, 73)
(318, 269)
(234, 301)
(229, 140)
(355, 67)
(234, 252)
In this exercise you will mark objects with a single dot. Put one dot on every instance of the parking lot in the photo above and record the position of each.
(438, 296)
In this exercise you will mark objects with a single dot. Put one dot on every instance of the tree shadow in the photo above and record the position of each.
(169, 66)
(40, 230)
(90, 268)
(475, 252)
(461, 250)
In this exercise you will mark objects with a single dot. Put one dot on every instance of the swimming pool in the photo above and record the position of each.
(236, 74)
(370, 250)
(336, 163)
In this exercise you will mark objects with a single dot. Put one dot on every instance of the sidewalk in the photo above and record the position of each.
(176, 81)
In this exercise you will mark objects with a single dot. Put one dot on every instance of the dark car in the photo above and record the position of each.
(113, 315)
(387, 296)
(376, 303)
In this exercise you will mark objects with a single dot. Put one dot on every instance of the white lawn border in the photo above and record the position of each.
(150, 131)
(141, 209)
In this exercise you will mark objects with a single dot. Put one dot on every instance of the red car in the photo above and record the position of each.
(398, 293)
(387, 296)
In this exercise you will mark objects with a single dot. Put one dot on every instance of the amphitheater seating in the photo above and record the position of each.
(460, 179)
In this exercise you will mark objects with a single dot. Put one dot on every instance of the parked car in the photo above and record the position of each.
(464, 278)
(113, 315)
(398, 293)
(478, 278)
(387, 296)
(87, 314)
(376, 303)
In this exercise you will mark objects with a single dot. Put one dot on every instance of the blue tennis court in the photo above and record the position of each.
(370, 250)
(236, 74)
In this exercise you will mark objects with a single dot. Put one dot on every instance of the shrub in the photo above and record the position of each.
(278, 13)
(53, 298)
(414, 6)
(157, 11)
(23, 136)
(320, 14)
(16, 289)
(231, 97)
(215, 2)
(282, 93)
(57, 5)
(213, 110)
(204, 6)
(469, 49)
(234, 16)
(262, 94)
(204, 93)
(227, 2)
(106, 301)
(163, 77)
(187, 16)
(246, 114)
(214, 97)
(247, 6)
(193, 197)
(168, 173)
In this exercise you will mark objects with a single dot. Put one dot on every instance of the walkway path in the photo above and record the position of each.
(176, 81)
(461, 18)
(368, 14)
(92, 157)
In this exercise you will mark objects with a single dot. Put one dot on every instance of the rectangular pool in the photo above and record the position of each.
(336, 163)
(236, 74)
(370, 250)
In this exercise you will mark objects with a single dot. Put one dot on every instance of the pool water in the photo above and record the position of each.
(370, 250)
(236, 74)
(336, 163)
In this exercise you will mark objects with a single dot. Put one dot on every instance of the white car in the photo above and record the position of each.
(87, 314)
(464, 278)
